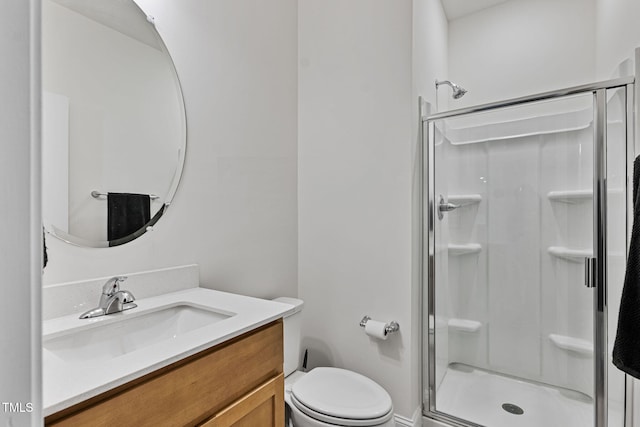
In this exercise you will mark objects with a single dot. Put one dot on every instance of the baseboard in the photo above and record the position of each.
(428, 422)
(414, 421)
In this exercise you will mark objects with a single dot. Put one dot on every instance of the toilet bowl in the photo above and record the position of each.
(324, 396)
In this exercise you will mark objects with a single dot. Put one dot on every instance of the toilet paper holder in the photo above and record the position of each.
(389, 328)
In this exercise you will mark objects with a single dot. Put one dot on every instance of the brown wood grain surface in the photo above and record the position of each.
(263, 407)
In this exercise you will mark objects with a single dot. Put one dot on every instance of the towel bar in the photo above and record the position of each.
(96, 194)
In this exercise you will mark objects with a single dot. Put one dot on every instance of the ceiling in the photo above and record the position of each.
(458, 8)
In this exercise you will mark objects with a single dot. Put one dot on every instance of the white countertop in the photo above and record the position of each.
(65, 383)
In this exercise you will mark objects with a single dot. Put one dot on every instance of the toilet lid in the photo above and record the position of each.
(340, 393)
(336, 421)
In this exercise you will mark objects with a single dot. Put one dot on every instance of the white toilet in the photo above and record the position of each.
(325, 397)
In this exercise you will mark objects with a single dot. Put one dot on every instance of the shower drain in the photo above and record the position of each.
(512, 409)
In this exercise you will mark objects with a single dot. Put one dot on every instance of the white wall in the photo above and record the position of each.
(430, 47)
(354, 187)
(617, 33)
(235, 211)
(21, 244)
(529, 46)
(522, 47)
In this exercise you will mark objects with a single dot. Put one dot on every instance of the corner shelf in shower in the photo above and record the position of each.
(573, 255)
(575, 196)
(464, 325)
(464, 199)
(576, 345)
(464, 249)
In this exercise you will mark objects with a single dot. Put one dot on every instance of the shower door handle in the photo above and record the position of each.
(445, 207)
(590, 272)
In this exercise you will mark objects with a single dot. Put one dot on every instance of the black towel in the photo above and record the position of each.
(141, 231)
(126, 214)
(626, 349)
(45, 257)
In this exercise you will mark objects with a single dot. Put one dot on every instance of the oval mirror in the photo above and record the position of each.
(113, 125)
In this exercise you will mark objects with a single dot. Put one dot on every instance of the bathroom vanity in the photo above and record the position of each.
(236, 383)
(196, 357)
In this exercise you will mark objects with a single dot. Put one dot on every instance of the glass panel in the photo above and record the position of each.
(513, 318)
(616, 239)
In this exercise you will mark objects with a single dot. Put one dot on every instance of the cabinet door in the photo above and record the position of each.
(262, 407)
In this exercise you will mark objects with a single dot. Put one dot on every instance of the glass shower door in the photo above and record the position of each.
(509, 253)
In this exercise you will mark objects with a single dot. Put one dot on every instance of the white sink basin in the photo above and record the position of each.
(123, 334)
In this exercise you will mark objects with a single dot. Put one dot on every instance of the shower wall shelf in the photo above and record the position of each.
(464, 325)
(576, 345)
(464, 249)
(570, 196)
(464, 199)
(575, 196)
(574, 255)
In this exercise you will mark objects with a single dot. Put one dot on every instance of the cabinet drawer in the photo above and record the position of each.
(262, 407)
(189, 391)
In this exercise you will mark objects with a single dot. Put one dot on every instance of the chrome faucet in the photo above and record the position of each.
(112, 300)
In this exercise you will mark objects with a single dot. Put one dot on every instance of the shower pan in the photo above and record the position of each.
(524, 249)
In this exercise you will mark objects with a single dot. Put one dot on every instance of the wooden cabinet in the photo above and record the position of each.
(237, 383)
(262, 407)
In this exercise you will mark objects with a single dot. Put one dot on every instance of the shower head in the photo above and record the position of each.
(458, 92)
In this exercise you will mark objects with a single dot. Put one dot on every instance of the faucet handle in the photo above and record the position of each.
(113, 285)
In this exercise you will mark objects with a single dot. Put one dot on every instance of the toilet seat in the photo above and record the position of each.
(347, 422)
(341, 397)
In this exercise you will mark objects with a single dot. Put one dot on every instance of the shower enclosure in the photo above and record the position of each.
(524, 248)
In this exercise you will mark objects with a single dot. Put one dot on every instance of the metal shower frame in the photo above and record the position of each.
(427, 255)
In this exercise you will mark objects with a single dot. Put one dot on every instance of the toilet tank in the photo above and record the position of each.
(292, 325)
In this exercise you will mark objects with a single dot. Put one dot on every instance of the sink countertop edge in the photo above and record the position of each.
(63, 389)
